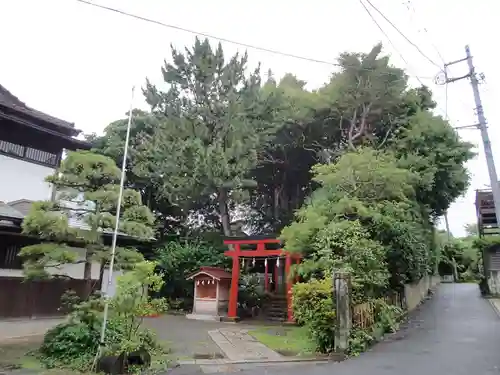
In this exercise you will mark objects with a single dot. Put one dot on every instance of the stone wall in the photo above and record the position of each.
(494, 282)
(415, 293)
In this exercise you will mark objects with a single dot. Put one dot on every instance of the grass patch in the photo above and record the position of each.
(288, 341)
(18, 355)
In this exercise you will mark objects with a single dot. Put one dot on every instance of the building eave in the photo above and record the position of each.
(70, 142)
(12, 103)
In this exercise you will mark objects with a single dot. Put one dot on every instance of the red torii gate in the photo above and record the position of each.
(261, 251)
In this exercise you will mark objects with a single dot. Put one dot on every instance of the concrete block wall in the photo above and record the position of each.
(494, 282)
(415, 293)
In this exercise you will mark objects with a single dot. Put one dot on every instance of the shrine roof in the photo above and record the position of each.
(214, 272)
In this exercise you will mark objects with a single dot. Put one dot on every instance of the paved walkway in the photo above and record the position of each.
(456, 333)
(26, 327)
(238, 345)
(187, 339)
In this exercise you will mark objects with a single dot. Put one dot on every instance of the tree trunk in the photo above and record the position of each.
(224, 212)
(87, 275)
(101, 275)
(276, 204)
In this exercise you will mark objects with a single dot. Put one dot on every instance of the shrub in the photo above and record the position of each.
(314, 308)
(359, 341)
(74, 344)
(386, 320)
(387, 317)
(178, 259)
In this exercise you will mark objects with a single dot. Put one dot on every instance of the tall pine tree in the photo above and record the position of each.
(215, 121)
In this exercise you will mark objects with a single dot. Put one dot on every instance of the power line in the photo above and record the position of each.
(222, 39)
(387, 37)
(402, 34)
(413, 14)
(409, 4)
(446, 99)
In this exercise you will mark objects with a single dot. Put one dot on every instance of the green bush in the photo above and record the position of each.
(314, 308)
(386, 320)
(387, 317)
(468, 276)
(359, 341)
(74, 343)
(177, 260)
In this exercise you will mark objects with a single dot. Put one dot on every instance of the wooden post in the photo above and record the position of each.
(276, 277)
(343, 307)
(297, 262)
(235, 276)
(289, 283)
(216, 295)
(195, 295)
(266, 276)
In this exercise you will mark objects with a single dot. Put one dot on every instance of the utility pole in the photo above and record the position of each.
(455, 270)
(442, 79)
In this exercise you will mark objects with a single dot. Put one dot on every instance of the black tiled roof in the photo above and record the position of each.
(7, 99)
(7, 211)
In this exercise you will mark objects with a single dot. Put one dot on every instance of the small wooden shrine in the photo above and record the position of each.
(277, 265)
(211, 293)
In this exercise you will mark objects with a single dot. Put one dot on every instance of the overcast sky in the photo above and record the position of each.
(79, 62)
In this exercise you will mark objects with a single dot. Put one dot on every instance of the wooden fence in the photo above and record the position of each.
(26, 299)
(363, 314)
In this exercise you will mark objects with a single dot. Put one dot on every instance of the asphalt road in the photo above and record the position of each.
(455, 333)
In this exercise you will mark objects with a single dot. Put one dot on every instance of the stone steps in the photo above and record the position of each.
(275, 309)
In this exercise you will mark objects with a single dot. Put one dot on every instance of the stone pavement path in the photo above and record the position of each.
(238, 345)
(455, 333)
(188, 339)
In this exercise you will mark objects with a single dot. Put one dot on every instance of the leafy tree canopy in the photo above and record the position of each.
(218, 135)
(81, 216)
(214, 119)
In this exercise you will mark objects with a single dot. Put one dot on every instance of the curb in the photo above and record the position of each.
(218, 362)
(494, 306)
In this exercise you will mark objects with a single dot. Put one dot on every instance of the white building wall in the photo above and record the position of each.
(23, 180)
(74, 271)
(205, 306)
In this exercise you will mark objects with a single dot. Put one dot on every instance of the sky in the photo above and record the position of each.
(79, 63)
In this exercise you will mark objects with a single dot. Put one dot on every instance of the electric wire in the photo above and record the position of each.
(387, 37)
(402, 34)
(411, 9)
(413, 14)
(222, 39)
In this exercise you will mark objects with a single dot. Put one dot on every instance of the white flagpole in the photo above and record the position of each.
(115, 233)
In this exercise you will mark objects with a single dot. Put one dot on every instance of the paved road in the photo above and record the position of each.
(455, 333)
(26, 327)
(186, 338)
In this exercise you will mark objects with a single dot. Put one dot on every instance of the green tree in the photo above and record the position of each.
(215, 119)
(429, 146)
(169, 217)
(359, 101)
(283, 173)
(87, 191)
(346, 223)
(471, 230)
(179, 259)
